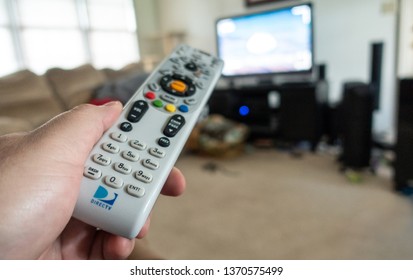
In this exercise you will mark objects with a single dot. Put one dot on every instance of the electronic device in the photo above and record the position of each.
(356, 117)
(403, 167)
(267, 43)
(376, 62)
(129, 165)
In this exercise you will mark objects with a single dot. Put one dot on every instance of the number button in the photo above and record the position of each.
(130, 155)
(101, 159)
(138, 145)
(151, 164)
(111, 148)
(119, 137)
(123, 168)
(143, 176)
(157, 152)
(114, 182)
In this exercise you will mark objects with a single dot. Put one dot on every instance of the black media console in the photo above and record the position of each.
(291, 112)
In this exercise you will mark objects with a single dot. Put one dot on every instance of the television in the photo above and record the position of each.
(266, 43)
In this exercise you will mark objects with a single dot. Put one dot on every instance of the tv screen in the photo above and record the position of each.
(269, 42)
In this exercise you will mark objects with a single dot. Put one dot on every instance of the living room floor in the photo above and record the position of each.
(267, 204)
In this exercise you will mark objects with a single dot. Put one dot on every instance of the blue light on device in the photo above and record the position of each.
(244, 110)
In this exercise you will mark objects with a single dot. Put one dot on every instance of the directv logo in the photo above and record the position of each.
(100, 198)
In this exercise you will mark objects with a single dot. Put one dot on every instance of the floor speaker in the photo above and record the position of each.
(301, 113)
(375, 72)
(356, 115)
(404, 145)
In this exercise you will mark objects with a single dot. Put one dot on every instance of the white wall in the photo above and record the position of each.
(344, 31)
(405, 61)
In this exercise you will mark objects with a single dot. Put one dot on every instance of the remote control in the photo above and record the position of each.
(129, 165)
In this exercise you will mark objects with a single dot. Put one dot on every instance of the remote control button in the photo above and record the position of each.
(175, 123)
(143, 176)
(183, 108)
(179, 86)
(101, 159)
(190, 101)
(135, 190)
(157, 152)
(170, 108)
(113, 182)
(154, 87)
(130, 155)
(191, 66)
(111, 148)
(165, 72)
(199, 84)
(158, 103)
(164, 142)
(92, 173)
(123, 168)
(137, 111)
(175, 60)
(150, 95)
(184, 58)
(125, 126)
(151, 164)
(119, 137)
(137, 144)
(191, 90)
(169, 98)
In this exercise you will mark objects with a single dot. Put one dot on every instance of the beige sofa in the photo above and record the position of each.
(28, 100)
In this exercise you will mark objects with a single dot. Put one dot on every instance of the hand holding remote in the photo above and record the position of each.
(39, 185)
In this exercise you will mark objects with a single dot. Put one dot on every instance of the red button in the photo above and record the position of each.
(150, 95)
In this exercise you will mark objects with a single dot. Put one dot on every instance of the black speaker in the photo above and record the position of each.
(301, 113)
(404, 145)
(321, 72)
(356, 115)
(375, 72)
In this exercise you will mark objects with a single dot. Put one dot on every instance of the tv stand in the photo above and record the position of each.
(298, 116)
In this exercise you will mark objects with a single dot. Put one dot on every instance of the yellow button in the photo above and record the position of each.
(170, 108)
(179, 86)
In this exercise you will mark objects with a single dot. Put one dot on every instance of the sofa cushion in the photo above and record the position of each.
(11, 125)
(75, 86)
(27, 96)
(130, 69)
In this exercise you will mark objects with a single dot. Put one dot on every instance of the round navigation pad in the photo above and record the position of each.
(178, 85)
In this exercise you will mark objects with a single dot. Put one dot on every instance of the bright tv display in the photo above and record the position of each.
(269, 42)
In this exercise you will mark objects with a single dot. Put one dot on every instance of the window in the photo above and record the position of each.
(41, 34)
(113, 26)
(7, 55)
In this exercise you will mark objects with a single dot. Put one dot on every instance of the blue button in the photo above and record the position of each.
(183, 108)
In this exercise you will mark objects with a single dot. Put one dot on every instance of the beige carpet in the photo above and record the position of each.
(270, 205)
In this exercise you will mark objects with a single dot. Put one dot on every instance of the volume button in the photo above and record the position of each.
(137, 111)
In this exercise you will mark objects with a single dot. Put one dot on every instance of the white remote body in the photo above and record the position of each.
(129, 165)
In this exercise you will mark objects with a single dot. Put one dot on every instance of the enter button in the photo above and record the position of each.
(135, 190)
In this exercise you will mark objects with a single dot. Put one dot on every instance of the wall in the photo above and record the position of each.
(344, 31)
(405, 62)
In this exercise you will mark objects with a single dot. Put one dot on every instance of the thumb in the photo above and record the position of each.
(78, 130)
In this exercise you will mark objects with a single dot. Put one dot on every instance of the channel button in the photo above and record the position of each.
(175, 123)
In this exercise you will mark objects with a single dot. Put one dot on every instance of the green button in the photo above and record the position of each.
(157, 103)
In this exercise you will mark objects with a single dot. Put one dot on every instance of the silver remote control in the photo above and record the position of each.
(129, 165)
